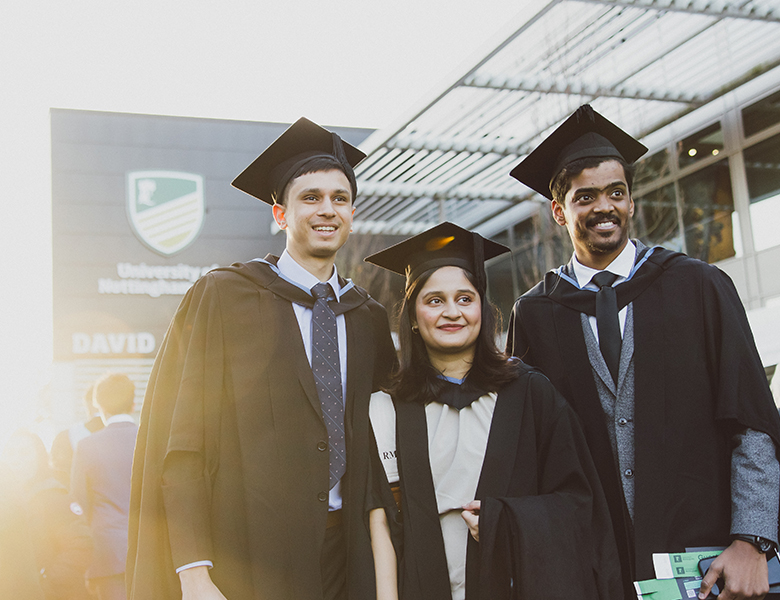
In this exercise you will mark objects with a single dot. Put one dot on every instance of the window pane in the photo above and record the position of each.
(538, 245)
(707, 208)
(655, 219)
(500, 289)
(652, 168)
(761, 115)
(707, 142)
(762, 167)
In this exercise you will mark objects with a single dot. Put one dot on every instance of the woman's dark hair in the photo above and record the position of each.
(418, 381)
(315, 165)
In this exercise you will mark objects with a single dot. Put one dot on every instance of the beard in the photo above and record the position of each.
(607, 242)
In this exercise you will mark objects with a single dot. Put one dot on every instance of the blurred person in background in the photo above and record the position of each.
(18, 568)
(100, 481)
(65, 442)
(39, 521)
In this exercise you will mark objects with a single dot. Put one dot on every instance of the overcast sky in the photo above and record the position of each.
(344, 62)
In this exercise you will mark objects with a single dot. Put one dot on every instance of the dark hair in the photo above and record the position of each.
(561, 183)
(315, 165)
(115, 394)
(416, 380)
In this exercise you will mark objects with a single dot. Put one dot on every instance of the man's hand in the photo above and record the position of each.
(743, 570)
(196, 584)
(470, 514)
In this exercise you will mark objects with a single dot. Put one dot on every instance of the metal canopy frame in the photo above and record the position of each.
(642, 63)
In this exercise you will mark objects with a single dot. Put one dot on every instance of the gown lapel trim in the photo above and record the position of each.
(425, 559)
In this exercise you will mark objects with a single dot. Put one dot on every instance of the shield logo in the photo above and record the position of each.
(165, 208)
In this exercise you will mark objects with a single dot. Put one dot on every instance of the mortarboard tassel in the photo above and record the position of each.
(584, 113)
(338, 150)
(479, 261)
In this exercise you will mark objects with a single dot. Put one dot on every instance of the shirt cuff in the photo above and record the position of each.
(192, 565)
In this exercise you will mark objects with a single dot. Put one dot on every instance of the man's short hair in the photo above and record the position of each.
(316, 165)
(561, 183)
(115, 394)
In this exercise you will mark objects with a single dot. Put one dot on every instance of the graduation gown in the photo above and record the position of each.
(544, 524)
(698, 381)
(233, 389)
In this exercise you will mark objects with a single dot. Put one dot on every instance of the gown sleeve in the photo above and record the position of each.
(557, 542)
(741, 391)
(176, 449)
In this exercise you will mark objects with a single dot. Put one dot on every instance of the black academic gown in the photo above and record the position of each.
(544, 523)
(698, 380)
(232, 389)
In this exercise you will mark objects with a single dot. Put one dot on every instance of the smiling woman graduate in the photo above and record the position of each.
(499, 497)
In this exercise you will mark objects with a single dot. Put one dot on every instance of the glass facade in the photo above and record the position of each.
(762, 168)
(652, 168)
(701, 145)
(761, 115)
(707, 205)
(657, 220)
(538, 244)
(693, 214)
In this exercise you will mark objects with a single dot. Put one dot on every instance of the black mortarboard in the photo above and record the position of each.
(584, 134)
(303, 141)
(444, 245)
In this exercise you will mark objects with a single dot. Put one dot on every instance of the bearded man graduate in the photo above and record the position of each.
(654, 352)
(252, 457)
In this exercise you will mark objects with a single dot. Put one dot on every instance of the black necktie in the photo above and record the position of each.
(608, 322)
(326, 367)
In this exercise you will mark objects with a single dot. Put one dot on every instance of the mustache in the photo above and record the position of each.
(602, 219)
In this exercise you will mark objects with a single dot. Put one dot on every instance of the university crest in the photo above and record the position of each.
(165, 208)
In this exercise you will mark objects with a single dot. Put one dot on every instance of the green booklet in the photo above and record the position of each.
(678, 576)
(680, 564)
(682, 588)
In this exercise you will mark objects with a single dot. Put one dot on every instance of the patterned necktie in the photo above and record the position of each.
(326, 367)
(608, 322)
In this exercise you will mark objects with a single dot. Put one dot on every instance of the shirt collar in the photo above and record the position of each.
(123, 418)
(451, 379)
(291, 270)
(621, 266)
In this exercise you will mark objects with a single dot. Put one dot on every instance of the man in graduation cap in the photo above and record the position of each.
(251, 461)
(653, 350)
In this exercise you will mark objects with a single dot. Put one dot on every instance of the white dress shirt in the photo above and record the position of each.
(296, 274)
(621, 266)
(120, 418)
